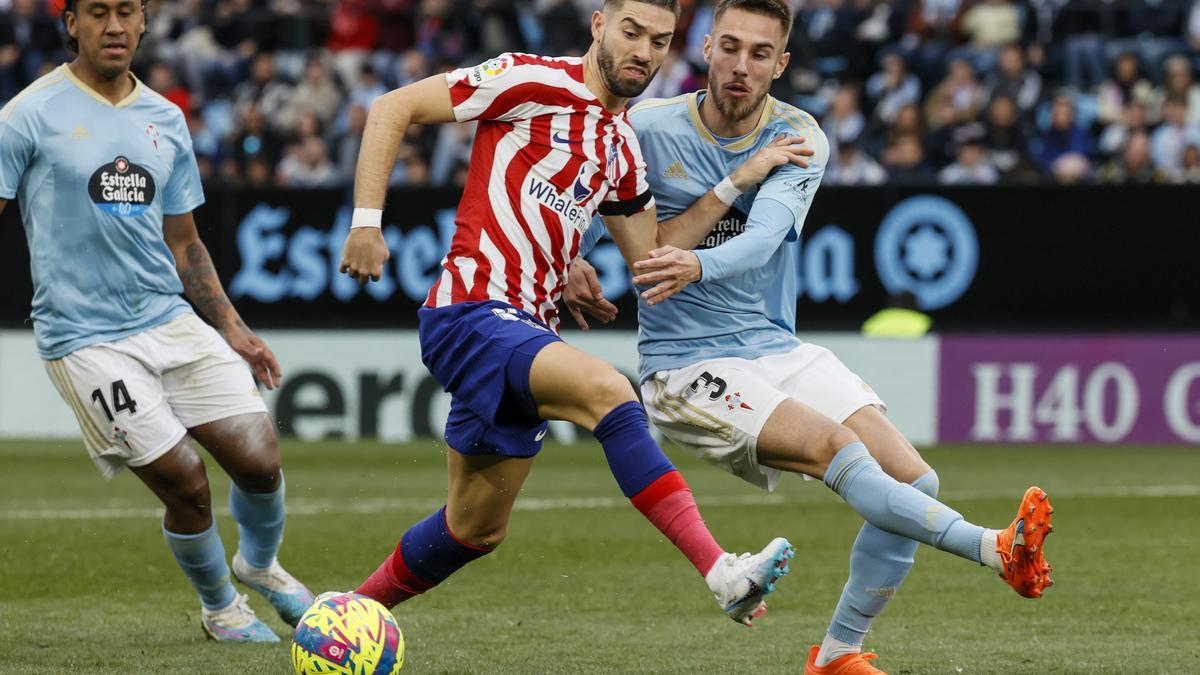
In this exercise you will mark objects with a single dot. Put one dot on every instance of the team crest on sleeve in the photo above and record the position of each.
(490, 70)
(152, 134)
(122, 188)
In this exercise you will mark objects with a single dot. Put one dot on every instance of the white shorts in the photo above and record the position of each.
(135, 398)
(718, 408)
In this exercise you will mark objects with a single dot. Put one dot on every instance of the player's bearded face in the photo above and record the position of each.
(627, 77)
(108, 33)
(745, 54)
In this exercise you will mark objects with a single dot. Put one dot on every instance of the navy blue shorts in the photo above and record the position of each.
(481, 353)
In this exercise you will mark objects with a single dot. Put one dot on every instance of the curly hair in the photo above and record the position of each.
(72, 43)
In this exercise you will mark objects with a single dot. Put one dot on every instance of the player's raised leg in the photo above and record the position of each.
(179, 480)
(569, 384)
(879, 560)
(246, 447)
(474, 521)
(798, 438)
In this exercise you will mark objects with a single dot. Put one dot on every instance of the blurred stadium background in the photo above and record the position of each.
(1022, 172)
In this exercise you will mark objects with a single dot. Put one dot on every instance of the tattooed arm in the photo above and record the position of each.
(203, 288)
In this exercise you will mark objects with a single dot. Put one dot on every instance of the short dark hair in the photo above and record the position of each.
(777, 9)
(672, 5)
(72, 43)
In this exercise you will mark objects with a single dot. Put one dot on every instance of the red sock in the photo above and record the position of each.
(668, 504)
(392, 583)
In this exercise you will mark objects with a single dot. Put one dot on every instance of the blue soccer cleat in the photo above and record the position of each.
(741, 582)
(235, 623)
(286, 594)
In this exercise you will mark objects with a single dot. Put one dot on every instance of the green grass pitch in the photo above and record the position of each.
(585, 585)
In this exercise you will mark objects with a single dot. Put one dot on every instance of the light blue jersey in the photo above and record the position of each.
(93, 181)
(745, 303)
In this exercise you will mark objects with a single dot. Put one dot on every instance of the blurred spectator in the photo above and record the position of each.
(856, 167)
(353, 33)
(1190, 171)
(316, 93)
(348, 144)
(1114, 136)
(161, 79)
(254, 139)
(844, 122)
(366, 87)
(307, 166)
(1014, 80)
(266, 91)
(1064, 150)
(904, 159)
(1126, 85)
(960, 89)
(395, 20)
(891, 88)
(1177, 82)
(28, 40)
(1173, 135)
(1081, 26)
(1133, 166)
(990, 24)
(971, 167)
(1006, 142)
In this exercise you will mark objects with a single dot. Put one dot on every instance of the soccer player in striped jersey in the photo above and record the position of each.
(553, 148)
(106, 180)
(722, 371)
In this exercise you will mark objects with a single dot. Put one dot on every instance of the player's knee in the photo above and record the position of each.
(610, 390)
(191, 498)
(838, 438)
(486, 535)
(259, 472)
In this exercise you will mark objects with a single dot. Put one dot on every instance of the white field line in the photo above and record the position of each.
(301, 506)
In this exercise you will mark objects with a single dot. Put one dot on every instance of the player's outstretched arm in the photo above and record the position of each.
(689, 228)
(202, 286)
(424, 102)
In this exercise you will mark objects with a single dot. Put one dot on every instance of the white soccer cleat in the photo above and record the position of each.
(286, 594)
(235, 623)
(741, 582)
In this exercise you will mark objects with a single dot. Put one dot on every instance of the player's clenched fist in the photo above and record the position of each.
(364, 254)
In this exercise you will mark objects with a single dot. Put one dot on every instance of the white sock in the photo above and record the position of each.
(988, 556)
(833, 649)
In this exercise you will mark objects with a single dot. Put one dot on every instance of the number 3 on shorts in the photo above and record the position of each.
(120, 398)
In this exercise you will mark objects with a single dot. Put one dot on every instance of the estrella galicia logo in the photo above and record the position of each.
(729, 226)
(122, 188)
(927, 245)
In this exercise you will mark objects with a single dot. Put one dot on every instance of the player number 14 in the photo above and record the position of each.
(120, 399)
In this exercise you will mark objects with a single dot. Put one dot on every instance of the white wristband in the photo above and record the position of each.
(726, 192)
(366, 218)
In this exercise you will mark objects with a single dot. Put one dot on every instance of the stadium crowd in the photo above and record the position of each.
(950, 91)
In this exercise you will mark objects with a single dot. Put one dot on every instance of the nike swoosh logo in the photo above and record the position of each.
(540, 435)
(1018, 538)
(565, 141)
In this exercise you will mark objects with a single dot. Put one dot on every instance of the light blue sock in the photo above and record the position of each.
(202, 558)
(898, 507)
(879, 561)
(259, 516)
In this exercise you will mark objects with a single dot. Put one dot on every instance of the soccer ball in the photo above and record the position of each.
(347, 634)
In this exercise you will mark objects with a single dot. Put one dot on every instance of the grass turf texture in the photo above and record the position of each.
(86, 584)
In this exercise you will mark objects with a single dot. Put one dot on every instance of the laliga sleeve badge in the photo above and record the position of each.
(490, 70)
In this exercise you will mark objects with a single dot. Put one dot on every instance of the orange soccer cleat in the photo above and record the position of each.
(1020, 546)
(850, 664)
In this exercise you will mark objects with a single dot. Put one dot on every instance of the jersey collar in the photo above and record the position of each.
(128, 100)
(747, 141)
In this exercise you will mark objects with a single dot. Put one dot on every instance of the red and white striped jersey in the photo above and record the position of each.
(547, 156)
